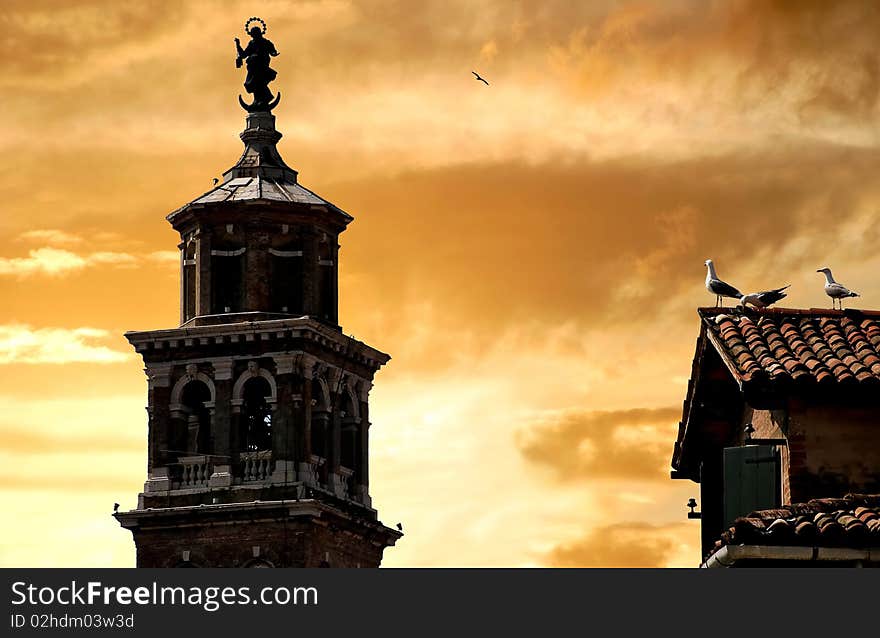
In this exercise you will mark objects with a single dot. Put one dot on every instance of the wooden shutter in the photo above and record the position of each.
(751, 480)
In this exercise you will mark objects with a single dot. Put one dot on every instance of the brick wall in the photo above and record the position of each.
(282, 544)
(834, 450)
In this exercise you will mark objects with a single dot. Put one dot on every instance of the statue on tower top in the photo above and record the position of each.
(256, 56)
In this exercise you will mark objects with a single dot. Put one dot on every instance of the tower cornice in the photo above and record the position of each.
(160, 344)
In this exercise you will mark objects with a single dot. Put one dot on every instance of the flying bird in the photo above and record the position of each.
(835, 290)
(764, 299)
(717, 287)
(479, 79)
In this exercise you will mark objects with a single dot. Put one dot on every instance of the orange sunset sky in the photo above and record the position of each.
(530, 253)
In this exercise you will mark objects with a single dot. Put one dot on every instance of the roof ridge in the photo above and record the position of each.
(705, 311)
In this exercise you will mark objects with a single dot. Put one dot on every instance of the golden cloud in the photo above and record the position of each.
(622, 444)
(530, 247)
(621, 545)
(21, 343)
(51, 236)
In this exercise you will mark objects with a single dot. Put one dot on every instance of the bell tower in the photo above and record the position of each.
(258, 404)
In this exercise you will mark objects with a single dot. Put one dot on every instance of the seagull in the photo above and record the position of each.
(764, 299)
(115, 507)
(479, 79)
(400, 526)
(717, 287)
(835, 290)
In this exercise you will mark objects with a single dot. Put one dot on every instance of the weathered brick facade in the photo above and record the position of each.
(258, 404)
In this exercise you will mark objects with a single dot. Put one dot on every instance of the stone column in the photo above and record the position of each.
(334, 381)
(334, 283)
(221, 424)
(256, 284)
(305, 471)
(159, 420)
(182, 248)
(310, 272)
(363, 476)
(284, 436)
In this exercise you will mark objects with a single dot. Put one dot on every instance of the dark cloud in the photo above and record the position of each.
(587, 445)
(486, 246)
(493, 245)
(620, 545)
(812, 58)
(49, 37)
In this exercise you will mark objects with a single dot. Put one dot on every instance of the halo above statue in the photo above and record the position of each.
(247, 25)
(256, 55)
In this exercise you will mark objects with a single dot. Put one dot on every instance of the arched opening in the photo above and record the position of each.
(257, 415)
(227, 280)
(196, 438)
(350, 450)
(350, 446)
(287, 279)
(188, 279)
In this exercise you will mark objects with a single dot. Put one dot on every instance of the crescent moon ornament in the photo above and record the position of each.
(250, 107)
(255, 19)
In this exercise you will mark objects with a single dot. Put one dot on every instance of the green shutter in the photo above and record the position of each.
(751, 480)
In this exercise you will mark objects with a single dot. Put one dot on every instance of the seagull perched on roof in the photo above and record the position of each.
(835, 290)
(717, 287)
(479, 79)
(764, 299)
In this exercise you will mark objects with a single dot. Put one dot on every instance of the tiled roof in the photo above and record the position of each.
(782, 345)
(851, 521)
(242, 189)
(260, 174)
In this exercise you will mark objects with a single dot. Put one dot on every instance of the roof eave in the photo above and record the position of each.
(729, 555)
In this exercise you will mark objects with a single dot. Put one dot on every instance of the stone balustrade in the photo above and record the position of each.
(194, 472)
(256, 466)
(344, 486)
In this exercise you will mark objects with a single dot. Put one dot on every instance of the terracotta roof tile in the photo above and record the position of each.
(779, 344)
(852, 521)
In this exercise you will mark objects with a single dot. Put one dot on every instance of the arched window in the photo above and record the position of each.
(257, 416)
(198, 418)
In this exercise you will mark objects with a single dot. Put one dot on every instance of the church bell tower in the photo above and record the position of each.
(258, 404)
